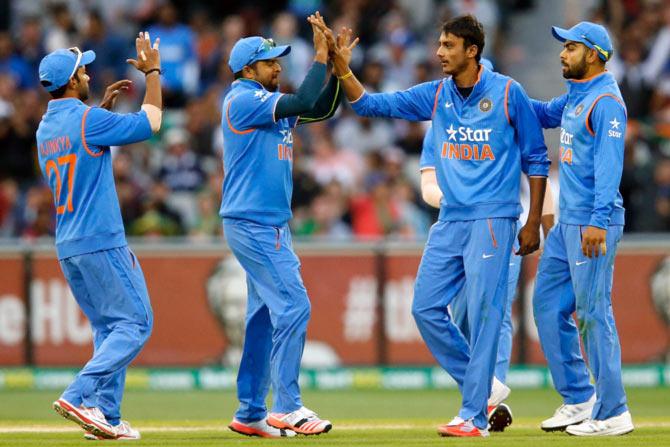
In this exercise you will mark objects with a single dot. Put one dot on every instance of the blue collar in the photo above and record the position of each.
(247, 83)
(579, 86)
(482, 77)
(63, 103)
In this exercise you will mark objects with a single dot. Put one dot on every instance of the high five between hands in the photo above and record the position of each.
(338, 49)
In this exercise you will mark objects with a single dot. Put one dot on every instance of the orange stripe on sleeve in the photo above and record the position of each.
(588, 114)
(83, 136)
(507, 100)
(230, 125)
(437, 95)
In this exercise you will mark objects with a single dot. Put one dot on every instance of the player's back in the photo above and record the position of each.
(80, 177)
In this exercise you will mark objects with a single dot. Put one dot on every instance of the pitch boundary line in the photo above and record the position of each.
(222, 428)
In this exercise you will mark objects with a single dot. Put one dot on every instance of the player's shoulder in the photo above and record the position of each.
(430, 86)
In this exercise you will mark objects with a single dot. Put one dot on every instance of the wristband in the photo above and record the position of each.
(346, 76)
(146, 73)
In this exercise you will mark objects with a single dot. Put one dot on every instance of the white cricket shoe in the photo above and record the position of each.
(568, 414)
(462, 429)
(499, 392)
(302, 421)
(499, 414)
(259, 428)
(617, 425)
(90, 419)
(124, 432)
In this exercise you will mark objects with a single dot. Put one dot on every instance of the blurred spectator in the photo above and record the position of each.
(17, 138)
(157, 219)
(662, 195)
(32, 48)
(298, 61)
(374, 214)
(38, 219)
(352, 176)
(63, 33)
(181, 169)
(363, 134)
(9, 208)
(202, 119)
(111, 52)
(330, 164)
(325, 220)
(179, 60)
(207, 222)
(207, 42)
(12, 64)
(128, 190)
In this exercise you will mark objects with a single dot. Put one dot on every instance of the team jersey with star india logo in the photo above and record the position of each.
(481, 144)
(257, 156)
(592, 116)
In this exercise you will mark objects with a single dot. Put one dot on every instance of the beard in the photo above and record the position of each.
(456, 68)
(577, 71)
(83, 94)
(271, 85)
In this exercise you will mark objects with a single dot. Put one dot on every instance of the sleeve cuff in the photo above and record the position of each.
(599, 221)
(357, 100)
(538, 169)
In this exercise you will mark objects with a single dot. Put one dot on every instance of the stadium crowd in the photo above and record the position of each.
(353, 177)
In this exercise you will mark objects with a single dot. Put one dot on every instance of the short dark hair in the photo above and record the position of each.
(240, 74)
(469, 29)
(60, 91)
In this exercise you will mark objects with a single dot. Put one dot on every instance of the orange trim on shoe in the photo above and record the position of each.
(87, 424)
(313, 427)
(456, 431)
(244, 429)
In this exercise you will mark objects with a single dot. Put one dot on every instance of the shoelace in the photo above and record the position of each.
(567, 410)
(123, 427)
(95, 412)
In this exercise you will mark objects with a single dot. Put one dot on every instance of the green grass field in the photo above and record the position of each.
(371, 417)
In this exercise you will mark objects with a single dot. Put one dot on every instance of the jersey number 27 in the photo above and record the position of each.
(68, 164)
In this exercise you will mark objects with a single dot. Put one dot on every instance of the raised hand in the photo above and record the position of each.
(323, 39)
(112, 92)
(320, 45)
(148, 56)
(344, 44)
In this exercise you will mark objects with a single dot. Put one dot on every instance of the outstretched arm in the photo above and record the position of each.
(307, 96)
(326, 105)
(550, 112)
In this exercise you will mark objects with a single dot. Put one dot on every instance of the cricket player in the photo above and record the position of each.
(256, 207)
(577, 267)
(499, 413)
(106, 279)
(487, 133)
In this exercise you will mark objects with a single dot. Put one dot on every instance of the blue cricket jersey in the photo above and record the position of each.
(481, 144)
(73, 142)
(592, 116)
(257, 156)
